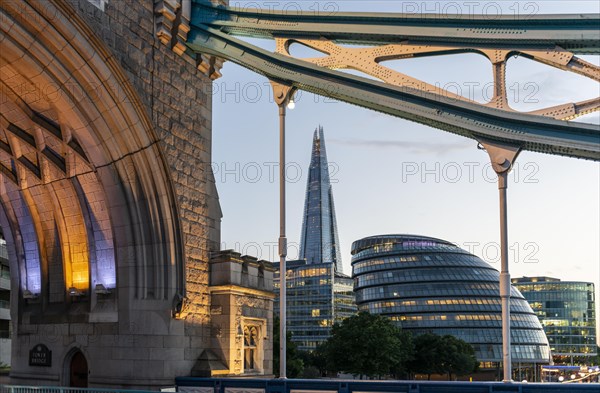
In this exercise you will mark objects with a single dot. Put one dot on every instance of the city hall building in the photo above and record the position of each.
(428, 285)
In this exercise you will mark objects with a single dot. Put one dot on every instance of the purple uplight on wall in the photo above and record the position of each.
(105, 268)
(32, 281)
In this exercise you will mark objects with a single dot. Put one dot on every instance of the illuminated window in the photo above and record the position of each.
(316, 312)
(250, 348)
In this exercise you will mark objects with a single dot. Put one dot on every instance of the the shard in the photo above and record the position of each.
(319, 242)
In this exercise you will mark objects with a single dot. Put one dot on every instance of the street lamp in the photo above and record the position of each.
(283, 95)
(502, 157)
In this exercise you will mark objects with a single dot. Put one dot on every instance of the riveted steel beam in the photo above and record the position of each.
(577, 33)
(398, 94)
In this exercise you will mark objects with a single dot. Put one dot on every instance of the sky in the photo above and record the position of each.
(391, 175)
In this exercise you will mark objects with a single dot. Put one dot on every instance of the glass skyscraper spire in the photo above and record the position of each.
(318, 293)
(319, 242)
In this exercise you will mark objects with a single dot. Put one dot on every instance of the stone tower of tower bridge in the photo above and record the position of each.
(108, 203)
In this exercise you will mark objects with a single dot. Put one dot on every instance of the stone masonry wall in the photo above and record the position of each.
(178, 100)
(130, 338)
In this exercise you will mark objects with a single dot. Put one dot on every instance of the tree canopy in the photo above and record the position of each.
(367, 344)
(371, 345)
(443, 355)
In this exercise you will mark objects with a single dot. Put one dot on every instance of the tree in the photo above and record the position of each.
(294, 364)
(458, 356)
(367, 344)
(318, 358)
(443, 355)
(314, 363)
(428, 354)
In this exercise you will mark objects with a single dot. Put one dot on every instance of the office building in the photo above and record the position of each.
(430, 285)
(5, 324)
(566, 310)
(317, 297)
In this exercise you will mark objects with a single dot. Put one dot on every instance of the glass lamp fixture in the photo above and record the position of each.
(75, 292)
(292, 104)
(100, 289)
(27, 294)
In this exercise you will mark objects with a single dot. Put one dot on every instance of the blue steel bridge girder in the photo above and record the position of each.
(550, 39)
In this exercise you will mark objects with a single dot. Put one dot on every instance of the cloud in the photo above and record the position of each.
(412, 147)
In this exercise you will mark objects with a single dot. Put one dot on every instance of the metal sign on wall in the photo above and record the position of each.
(40, 355)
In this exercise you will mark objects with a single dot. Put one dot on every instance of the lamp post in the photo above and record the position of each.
(283, 96)
(502, 157)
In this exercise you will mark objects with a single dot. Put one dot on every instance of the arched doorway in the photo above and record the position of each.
(78, 371)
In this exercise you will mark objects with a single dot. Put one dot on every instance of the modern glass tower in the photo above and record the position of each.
(318, 293)
(319, 242)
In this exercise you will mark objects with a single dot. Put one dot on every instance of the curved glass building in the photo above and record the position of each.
(430, 285)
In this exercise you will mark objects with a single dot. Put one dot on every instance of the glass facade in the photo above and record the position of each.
(318, 293)
(566, 310)
(430, 285)
(319, 242)
(317, 297)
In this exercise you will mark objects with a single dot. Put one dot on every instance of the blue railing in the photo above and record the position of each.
(223, 385)
(58, 389)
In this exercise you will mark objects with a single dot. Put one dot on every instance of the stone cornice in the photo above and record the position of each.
(239, 290)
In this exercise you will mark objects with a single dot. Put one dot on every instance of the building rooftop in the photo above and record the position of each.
(414, 240)
(543, 279)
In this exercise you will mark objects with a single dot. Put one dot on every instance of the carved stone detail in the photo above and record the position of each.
(172, 19)
(165, 14)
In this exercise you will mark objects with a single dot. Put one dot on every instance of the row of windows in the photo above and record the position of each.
(567, 322)
(463, 317)
(558, 286)
(446, 301)
(405, 248)
(306, 329)
(579, 340)
(312, 289)
(567, 330)
(307, 272)
(554, 300)
(308, 299)
(519, 353)
(308, 314)
(561, 304)
(308, 282)
(416, 275)
(401, 262)
(559, 349)
(449, 305)
(436, 289)
(377, 262)
(574, 315)
(463, 321)
(491, 336)
(308, 323)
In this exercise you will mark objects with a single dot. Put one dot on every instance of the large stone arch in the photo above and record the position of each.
(88, 205)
